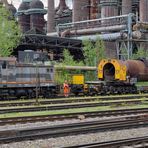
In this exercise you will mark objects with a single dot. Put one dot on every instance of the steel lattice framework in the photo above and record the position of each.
(52, 44)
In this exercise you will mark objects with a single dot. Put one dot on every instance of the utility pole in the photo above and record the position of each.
(37, 81)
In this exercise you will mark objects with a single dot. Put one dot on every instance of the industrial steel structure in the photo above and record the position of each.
(122, 24)
(53, 45)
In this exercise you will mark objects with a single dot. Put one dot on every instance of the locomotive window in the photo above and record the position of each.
(47, 69)
(0, 73)
(51, 70)
(4, 65)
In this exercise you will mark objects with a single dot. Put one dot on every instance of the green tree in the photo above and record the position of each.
(93, 52)
(69, 60)
(9, 33)
(141, 53)
(100, 49)
(63, 74)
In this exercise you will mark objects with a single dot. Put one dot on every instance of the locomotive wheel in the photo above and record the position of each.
(46, 95)
(76, 93)
(33, 95)
(30, 94)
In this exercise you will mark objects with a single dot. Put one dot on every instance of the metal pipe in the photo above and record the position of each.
(104, 37)
(135, 35)
(109, 36)
(91, 68)
(86, 23)
(52, 34)
(93, 30)
(141, 25)
(89, 21)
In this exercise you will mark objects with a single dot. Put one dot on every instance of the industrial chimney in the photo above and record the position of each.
(23, 19)
(126, 6)
(94, 9)
(144, 10)
(62, 6)
(37, 13)
(51, 15)
(80, 10)
(109, 8)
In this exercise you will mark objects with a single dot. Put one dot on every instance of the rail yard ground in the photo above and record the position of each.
(113, 108)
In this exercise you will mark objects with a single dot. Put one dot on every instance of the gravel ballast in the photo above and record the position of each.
(79, 139)
(72, 140)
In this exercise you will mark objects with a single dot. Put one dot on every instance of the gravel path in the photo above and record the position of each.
(72, 140)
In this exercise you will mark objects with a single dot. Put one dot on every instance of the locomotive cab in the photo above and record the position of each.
(7, 70)
(77, 86)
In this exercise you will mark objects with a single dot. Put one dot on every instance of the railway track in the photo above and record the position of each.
(7, 136)
(69, 100)
(139, 142)
(68, 106)
(41, 118)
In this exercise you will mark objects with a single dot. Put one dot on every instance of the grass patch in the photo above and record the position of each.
(64, 111)
(40, 100)
(142, 84)
(70, 98)
(121, 101)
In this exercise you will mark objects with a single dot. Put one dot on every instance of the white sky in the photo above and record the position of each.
(16, 3)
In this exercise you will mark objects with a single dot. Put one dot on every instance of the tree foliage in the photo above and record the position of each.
(69, 60)
(141, 53)
(9, 33)
(93, 52)
(100, 49)
(63, 74)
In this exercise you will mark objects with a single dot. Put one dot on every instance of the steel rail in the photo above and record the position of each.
(71, 129)
(69, 100)
(138, 142)
(66, 106)
(79, 115)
